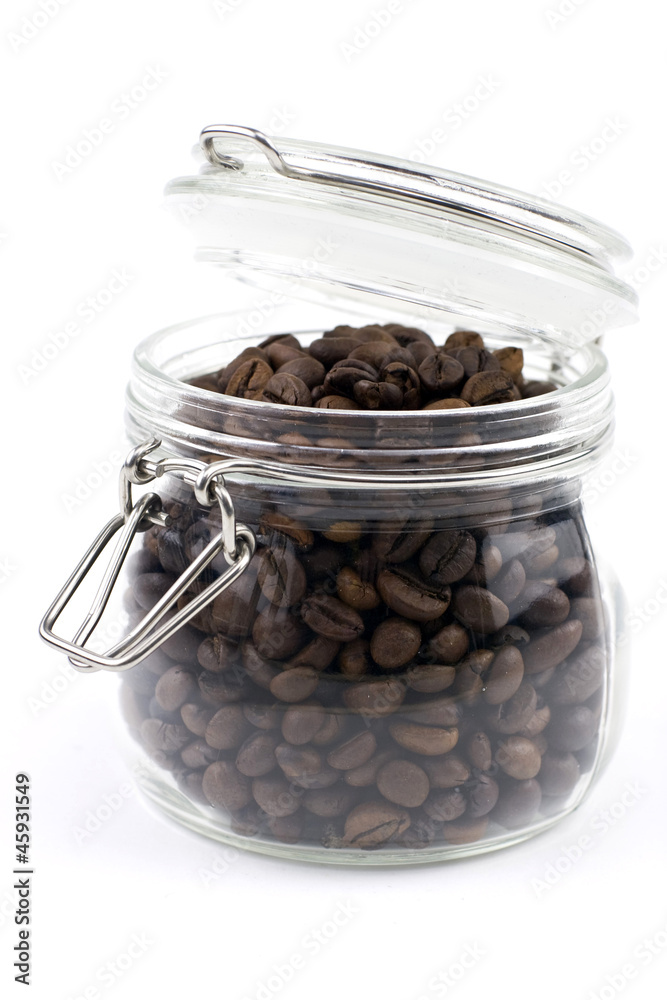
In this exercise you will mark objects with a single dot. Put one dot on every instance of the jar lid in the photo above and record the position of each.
(313, 220)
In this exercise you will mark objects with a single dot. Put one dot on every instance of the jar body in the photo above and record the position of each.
(407, 671)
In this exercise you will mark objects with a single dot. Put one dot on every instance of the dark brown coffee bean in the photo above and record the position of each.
(329, 802)
(486, 566)
(408, 335)
(405, 378)
(332, 730)
(295, 684)
(279, 634)
(331, 618)
(366, 774)
(525, 544)
(397, 541)
(274, 795)
(287, 829)
(148, 588)
(344, 531)
(263, 716)
(482, 793)
(511, 361)
(227, 728)
(474, 359)
(336, 403)
(260, 670)
(353, 752)
(249, 379)
(404, 783)
(257, 754)
(454, 403)
(447, 556)
(318, 654)
(233, 611)
(281, 351)
(479, 609)
(374, 698)
(324, 778)
(225, 787)
(373, 823)
(478, 749)
(575, 576)
(449, 771)
(286, 389)
(450, 644)
(537, 723)
(196, 718)
(542, 562)
(550, 647)
(408, 596)
(518, 757)
(509, 635)
(510, 582)
(430, 678)
(395, 642)
(559, 773)
(577, 679)
(308, 370)
(537, 388)
(343, 377)
(441, 373)
(297, 762)
(588, 610)
(464, 830)
(355, 592)
(355, 659)
(377, 395)
(427, 740)
(515, 713)
(167, 736)
(571, 728)
(198, 754)
(372, 353)
(463, 338)
(302, 722)
(540, 605)
(217, 654)
(250, 353)
(441, 712)
(174, 688)
(503, 676)
(281, 576)
(328, 350)
(487, 388)
(518, 803)
(445, 804)
(222, 689)
(286, 527)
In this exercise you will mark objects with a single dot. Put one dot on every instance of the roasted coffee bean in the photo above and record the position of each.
(263, 716)
(537, 723)
(196, 718)
(287, 829)
(518, 757)
(329, 802)
(576, 680)
(328, 350)
(374, 698)
(324, 778)
(405, 378)
(511, 361)
(540, 605)
(344, 531)
(148, 588)
(342, 378)
(441, 373)
(373, 353)
(410, 597)
(515, 713)
(442, 712)
(308, 370)
(510, 582)
(174, 688)
(225, 787)
(449, 645)
(448, 771)
(482, 793)
(279, 634)
(377, 395)
(260, 670)
(574, 575)
(281, 351)
(275, 796)
(468, 683)
(404, 783)
(427, 740)
(167, 736)
(355, 659)
(281, 576)
(398, 541)
(454, 403)
(479, 609)
(249, 379)
(366, 774)
(220, 689)
(395, 642)
(503, 676)
(487, 388)
(336, 403)
(217, 654)
(478, 749)
(331, 618)
(233, 611)
(257, 754)
(198, 754)
(295, 684)
(588, 610)
(332, 730)
(429, 678)
(353, 752)
(518, 803)
(302, 722)
(447, 556)
(318, 654)
(463, 338)
(248, 354)
(486, 566)
(510, 635)
(559, 773)
(289, 390)
(357, 593)
(537, 388)
(227, 728)
(445, 804)
(301, 537)
(297, 762)
(571, 728)
(549, 647)
(373, 823)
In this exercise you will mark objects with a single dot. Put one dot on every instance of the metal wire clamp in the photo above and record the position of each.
(235, 541)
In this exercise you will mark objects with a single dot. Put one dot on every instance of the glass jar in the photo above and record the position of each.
(386, 637)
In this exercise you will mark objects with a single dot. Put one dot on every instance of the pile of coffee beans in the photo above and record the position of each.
(387, 685)
(389, 367)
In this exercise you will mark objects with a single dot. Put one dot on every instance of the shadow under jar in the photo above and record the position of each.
(418, 661)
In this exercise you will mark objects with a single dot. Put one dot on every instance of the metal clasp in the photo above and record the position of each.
(235, 541)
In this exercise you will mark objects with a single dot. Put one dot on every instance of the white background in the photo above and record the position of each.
(301, 69)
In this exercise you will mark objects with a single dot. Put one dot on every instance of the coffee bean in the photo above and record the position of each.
(335, 403)
(355, 592)
(445, 805)
(279, 634)
(579, 678)
(308, 370)
(344, 531)
(430, 678)
(540, 605)
(478, 749)
(442, 712)
(281, 577)
(328, 350)
(287, 528)
(353, 752)
(331, 618)
(395, 642)
(374, 698)
(366, 774)
(174, 688)
(550, 647)
(447, 556)
(537, 388)
(408, 596)
(219, 689)
(574, 575)
(511, 361)
(464, 831)
(225, 787)
(297, 762)
(404, 783)
(318, 654)
(198, 754)
(257, 754)
(263, 716)
(426, 740)
(463, 338)
(166, 736)
(450, 644)
(329, 802)
(482, 793)
(487, 388)
(441, 373)
(343, 377)
(588, 610)
(289, 390)
(518, 803)
(355, 659)
(510, 582)
(295, 684)
(377, 395)
(479, 609)
(518, 757)
(227, 728)
(559, 773)
(373, 823)
(515, 713)
(332, 729)
(217, 654)
(503, 676)
(474, 359)
(449, 771)
(148, 588)
(195, 718)
(571, 728)
(274, 795)
(537, 723)
(249, 379)
(397, 541)
(302, 722)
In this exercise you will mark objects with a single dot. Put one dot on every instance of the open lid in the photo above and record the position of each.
(323, 222)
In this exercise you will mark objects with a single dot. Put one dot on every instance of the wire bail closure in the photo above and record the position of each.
(235, 541)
